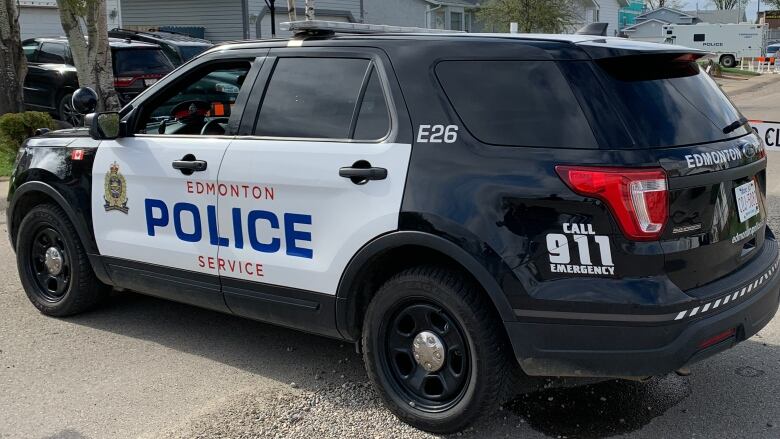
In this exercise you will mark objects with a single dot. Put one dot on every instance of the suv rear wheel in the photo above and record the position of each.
(434, 349)
(53, 266)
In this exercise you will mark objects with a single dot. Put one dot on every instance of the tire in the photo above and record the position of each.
(447, 304)
(728, 61)
(73, 288)
(66, 112)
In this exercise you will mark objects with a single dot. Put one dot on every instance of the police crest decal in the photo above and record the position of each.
(115, 190)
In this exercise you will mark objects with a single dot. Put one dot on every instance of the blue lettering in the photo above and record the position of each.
(214, 237)
(151, 220)
(238, 231)
(197, 234)
(291, 235)
(275, 243)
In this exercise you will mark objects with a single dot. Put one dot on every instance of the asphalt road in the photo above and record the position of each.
(143, 367)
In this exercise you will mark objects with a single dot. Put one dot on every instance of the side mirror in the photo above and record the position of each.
(84, 100)
(104, 126)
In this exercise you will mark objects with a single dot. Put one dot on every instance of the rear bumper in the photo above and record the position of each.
(619, 349)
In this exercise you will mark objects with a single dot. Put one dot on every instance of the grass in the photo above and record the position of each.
(6, 163)
(738, 71)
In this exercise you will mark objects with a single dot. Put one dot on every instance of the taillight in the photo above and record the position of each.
(637, 197)
(123, 81)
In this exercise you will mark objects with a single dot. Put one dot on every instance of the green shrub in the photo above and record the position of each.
(16, 127)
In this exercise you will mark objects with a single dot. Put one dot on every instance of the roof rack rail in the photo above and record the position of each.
(322, 27)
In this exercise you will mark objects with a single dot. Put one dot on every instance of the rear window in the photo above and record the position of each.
(133, 62)
(667, 102)
(516, 103)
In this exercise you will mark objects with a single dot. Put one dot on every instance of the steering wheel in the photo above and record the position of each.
(191, 112)
(215, 125)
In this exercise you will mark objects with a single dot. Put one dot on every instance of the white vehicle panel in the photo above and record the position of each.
(301, 179)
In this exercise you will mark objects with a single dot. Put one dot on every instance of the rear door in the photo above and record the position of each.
(317, 172)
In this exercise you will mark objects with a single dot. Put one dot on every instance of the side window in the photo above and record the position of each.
(516, 103)
(373, 121)
(30, 49)
(53, 53)
(199, 103)
(312, 98)
(698, 37)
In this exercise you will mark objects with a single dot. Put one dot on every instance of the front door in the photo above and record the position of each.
(154, 195)
(317, 175)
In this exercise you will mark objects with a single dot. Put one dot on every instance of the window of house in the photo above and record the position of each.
(698, 37)
(437, 19)
(467, 17)
(456, 20)
(516, 103)
(53, 53)
(319, 98)
(595, 15)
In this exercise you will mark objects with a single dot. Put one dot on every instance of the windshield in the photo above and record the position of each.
(189, 52)
(668, 102)
(134, 62)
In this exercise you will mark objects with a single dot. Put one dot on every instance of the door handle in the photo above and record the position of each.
(189, 164)
(361, 172)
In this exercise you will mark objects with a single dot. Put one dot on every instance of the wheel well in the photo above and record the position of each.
(381, 267)
(24, 205)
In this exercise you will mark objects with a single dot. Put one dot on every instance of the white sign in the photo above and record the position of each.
(769, 132)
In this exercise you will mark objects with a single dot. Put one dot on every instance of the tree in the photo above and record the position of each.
(91, 52)
(13, 65)
(730, 4)
(552, 16)
(773, 4)
(655, 4)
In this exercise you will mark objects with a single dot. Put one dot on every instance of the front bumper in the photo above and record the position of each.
(571, 347)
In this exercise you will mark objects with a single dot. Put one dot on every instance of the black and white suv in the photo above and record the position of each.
(468, 209)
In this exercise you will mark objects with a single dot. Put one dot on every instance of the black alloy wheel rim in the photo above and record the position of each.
(69, 114)
(431, 391)
(52, 285)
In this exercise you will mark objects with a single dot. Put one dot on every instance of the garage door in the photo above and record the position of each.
(40, 22)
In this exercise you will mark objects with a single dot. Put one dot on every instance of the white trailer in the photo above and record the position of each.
(729, 42)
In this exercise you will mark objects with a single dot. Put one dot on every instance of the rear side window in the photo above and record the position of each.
(516, 103)
(134, 62)
(321, 98)
(698, 37)
(30, 49)
(667, 102)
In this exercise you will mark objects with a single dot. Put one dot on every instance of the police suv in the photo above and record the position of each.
(468, 209)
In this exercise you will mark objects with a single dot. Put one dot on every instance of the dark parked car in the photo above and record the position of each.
(179, 48)
(52, 79)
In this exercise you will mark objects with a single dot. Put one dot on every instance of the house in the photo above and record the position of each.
(603, 11)
(650, 30)
(627, 15)
(41, 18)
(433, 14)
(719, 16)
(667, 15)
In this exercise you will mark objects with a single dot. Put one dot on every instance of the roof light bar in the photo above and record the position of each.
(314, 26)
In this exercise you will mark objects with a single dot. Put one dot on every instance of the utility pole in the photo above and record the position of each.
(272, 8)
(291, 10)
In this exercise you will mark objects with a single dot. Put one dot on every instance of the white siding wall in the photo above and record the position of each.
(396, 12)
(221, 18)
(608, 13)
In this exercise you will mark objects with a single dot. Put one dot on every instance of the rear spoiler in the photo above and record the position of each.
(618, 47)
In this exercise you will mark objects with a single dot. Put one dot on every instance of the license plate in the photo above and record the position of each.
(747, 201)
(148, 82)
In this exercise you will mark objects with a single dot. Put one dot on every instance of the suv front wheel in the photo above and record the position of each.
(53, 265)
(434, 348)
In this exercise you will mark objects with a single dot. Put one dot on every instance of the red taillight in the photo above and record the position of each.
(123, 81)
(637, 197)
(725, 335)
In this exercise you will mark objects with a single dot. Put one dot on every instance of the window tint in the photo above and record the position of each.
(53, 53)
(30, 49)
(373, 121)
(212, 91)
(698, 37)
(666, 102)
(311, 97)
(516, 103)
(134, 62)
